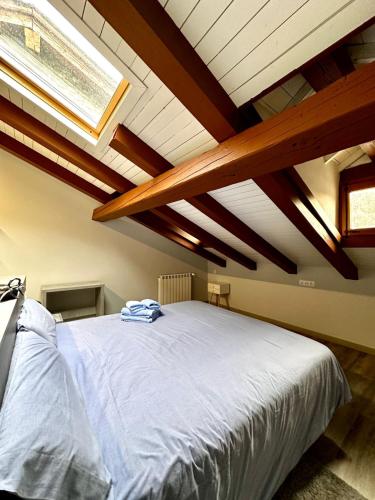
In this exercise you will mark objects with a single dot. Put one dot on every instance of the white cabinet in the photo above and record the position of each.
(74, 300)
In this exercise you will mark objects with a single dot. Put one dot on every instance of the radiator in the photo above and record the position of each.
(174, 287)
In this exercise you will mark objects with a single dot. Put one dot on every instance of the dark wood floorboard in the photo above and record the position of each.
(348, 446)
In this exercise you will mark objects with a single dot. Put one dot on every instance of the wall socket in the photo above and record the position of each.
(309, 284)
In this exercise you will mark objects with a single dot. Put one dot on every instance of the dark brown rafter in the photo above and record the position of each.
(207, 239)
(150, 221)
(42, 134)
(176, 40)
(48, 166)
(133, 148)
(335, 118)
(280, 186)
(328, 69)
(151, 33)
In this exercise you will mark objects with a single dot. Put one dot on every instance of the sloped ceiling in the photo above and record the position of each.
(248, 46)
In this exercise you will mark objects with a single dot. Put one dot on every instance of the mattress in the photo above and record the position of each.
(203, 403)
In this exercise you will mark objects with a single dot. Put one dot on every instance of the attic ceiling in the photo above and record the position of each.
(250, 48)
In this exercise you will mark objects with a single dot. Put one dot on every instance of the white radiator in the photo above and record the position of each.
(174, 287)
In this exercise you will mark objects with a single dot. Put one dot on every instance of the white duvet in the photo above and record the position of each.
(203, 403)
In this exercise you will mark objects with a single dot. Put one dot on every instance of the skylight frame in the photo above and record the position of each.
(20, 81)
(28, 88)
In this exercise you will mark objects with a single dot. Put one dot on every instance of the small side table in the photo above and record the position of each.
(219, 289)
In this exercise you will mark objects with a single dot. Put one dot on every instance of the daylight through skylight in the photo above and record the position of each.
(39, 45)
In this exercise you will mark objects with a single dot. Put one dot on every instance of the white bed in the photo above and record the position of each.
(203, 403)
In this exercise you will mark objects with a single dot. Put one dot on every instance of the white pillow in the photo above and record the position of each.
(47, 447)
(35, 318)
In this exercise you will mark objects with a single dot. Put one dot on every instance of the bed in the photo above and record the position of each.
(202, 404)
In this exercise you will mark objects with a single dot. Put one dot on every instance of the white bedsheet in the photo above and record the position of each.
(203, 403)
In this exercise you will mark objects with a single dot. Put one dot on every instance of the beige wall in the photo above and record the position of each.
(46, 233)
(324, 184)
(346, 316)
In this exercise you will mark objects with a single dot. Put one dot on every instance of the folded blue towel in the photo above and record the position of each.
(142, 319)
(151, 304)
(135, 305)
(147, 313)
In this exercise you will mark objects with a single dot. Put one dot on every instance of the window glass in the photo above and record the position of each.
(39, 43)
(362, 208)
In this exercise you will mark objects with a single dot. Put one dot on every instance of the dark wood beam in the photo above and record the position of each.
(280, 186)
(339, 116)
(36, 130)
(153, 35)
(137, 151)
(154, 223)
(39, 132)
(39, 161)
(212, 208)
(168, 231)
(206, 239)
(328, 69)
(163, 35)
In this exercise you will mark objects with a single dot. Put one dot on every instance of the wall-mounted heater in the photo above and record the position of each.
(174, 287)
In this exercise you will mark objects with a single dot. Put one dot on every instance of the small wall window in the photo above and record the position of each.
(357, 206)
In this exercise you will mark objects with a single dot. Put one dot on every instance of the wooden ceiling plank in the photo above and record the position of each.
(153, 35)
(337, 117)
(336, 45)
(46, 165)
(137, 151)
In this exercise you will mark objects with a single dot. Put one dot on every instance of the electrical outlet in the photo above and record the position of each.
(307, 283)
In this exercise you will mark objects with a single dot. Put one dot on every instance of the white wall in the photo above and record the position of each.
(346, 316)
(323, 182)
(46, 233)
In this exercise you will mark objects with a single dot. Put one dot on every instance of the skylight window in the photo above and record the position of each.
(42, 54)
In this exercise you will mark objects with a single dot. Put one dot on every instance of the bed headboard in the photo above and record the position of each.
(9, 314)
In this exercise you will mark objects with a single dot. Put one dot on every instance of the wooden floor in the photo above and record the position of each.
(348, 446)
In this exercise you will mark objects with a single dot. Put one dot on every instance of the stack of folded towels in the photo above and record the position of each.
(147, 311)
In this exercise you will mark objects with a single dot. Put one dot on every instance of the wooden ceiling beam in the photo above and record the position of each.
(44, 135)
(137, 151)
(328, 69)
(337, 117)
(155, 38)
(151, 221)
(224, 217)
(36, 130)
(207, 239)
(48, 166)
(129, 145)
(154, 223)
(281, 187)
